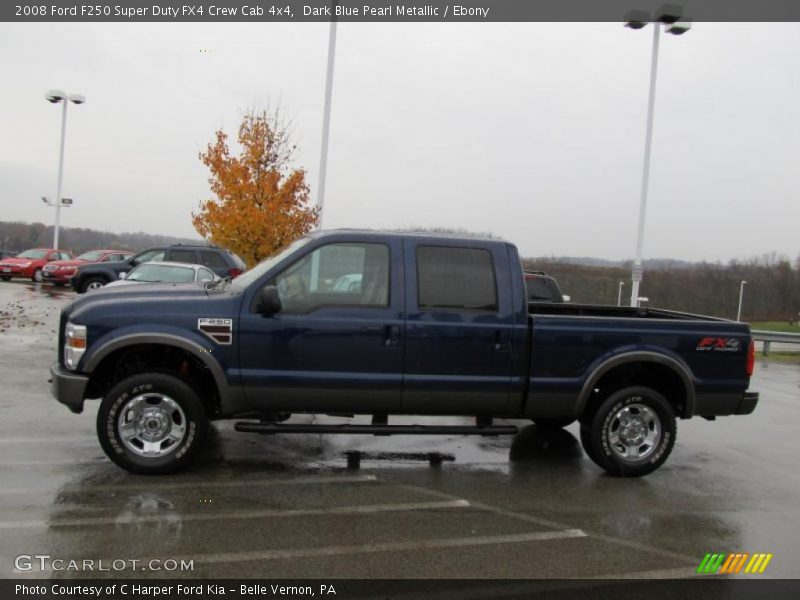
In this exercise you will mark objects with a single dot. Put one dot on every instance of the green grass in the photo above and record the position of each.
(775, 326)
(789, 358)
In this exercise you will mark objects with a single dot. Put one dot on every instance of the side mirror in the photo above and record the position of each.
(268, 301)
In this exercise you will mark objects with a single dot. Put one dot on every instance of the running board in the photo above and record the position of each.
(259, 427)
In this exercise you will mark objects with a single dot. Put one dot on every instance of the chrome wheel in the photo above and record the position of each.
(94, 285)
(151, 425)
(634, 432)
(37, 276)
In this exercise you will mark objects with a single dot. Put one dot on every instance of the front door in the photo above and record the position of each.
(337, 343)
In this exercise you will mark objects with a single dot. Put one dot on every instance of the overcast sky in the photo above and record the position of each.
(531, 131)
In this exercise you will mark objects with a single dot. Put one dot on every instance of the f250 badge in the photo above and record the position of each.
(717, 344)
(219, 330)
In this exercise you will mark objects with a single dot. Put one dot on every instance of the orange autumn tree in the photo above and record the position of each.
(261, 203)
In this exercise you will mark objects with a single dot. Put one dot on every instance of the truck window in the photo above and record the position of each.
(455, 278)
(345, 274)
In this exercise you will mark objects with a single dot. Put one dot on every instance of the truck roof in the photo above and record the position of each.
(460, 236)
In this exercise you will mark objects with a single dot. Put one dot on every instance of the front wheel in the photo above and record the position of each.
(5, 277)
(37, 276)
(151, 423)
(93, 283)
(632, 432)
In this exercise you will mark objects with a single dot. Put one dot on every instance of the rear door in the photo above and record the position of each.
(459, 327)
(332, 348)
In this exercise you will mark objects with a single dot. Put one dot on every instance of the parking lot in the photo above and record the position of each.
(531, 506)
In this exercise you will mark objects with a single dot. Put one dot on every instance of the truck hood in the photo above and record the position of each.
(147, 299)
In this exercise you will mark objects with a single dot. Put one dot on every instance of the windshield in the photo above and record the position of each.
(92, 255)
(32, 254)
(161, 273)
(245, 279)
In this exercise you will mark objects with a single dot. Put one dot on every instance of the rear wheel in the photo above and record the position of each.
(632, 432)
(92, 283)
(5, 277)
(554, 423)
(151, 423)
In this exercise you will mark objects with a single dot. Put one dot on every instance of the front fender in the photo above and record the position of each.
(194, 343)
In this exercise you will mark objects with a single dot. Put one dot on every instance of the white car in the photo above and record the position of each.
(166, 272)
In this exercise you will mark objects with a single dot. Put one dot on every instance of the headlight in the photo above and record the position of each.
(74, 345)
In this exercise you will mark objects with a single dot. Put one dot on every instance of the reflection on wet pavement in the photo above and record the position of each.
(531, 505)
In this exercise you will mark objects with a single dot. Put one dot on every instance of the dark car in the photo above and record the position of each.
(540, 287)
(95, 275)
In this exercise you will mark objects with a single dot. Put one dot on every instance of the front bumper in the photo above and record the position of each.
(68, 387)
(56, 277)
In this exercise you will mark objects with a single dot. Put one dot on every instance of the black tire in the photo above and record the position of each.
(652, 432)
(586, 439)
(5, 277)
(172, 404)
(91, 283)
(554, 423)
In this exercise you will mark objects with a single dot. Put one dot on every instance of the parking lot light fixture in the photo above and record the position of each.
(741, 296)
(619, 293)
(670, 16)
(54, 97)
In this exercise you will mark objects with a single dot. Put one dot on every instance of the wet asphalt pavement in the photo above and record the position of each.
(531, 506)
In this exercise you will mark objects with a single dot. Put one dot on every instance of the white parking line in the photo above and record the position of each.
(54, 463)
(548, 523)
(386, 547)
(74, 440)
(146, 485)
(231, 515)
(676, 573)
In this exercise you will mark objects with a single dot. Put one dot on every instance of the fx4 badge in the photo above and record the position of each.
(717, 344)
(219, 330)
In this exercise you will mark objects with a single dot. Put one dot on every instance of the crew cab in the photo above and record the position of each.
(29, 264)
(438, 326)
(95, 275)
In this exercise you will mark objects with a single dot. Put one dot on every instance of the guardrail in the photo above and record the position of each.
(774, 336)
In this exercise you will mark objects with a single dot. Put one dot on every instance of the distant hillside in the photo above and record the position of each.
(16, 236)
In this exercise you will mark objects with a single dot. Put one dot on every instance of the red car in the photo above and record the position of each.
(29, 264)
(60, 271)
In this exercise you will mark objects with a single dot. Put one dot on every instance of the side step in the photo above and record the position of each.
(259, 427)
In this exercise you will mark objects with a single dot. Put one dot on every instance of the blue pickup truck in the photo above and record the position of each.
(381, 324)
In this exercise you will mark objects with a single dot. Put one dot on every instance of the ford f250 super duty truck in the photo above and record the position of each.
(382, 324)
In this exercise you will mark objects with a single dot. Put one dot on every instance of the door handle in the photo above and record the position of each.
(392, 335)
(498, 339)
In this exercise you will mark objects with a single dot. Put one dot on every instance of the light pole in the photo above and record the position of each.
(619, 293)
(54, 97)
(326, 115)
(741, 295)
(668, 15)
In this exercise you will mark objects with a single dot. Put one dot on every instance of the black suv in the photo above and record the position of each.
(95, 275)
